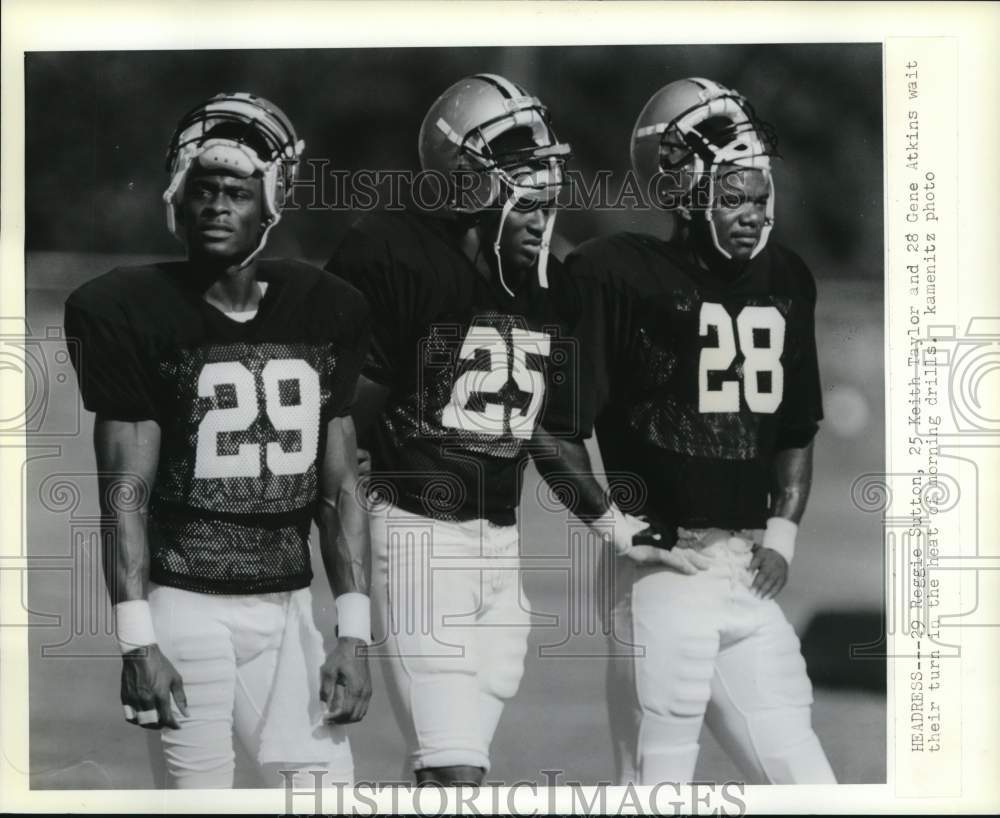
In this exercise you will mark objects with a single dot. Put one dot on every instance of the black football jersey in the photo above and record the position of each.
(471, 371)
(699, 380)
(242, 409)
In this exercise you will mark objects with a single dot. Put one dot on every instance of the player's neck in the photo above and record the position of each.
(482, 257)
(471, 244)
(712, 262)
(233, 289)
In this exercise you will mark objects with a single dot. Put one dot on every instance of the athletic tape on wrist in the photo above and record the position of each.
(780, 536)
(134, 625)
(354, 616)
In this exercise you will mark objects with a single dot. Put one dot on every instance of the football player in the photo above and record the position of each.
(708, 381)
(470, 361)
(222, 387)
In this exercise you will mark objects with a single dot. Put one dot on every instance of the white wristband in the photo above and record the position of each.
(780, 536)
(134, 625)
(354, 616)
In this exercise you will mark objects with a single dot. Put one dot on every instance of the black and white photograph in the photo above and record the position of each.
(453, 415)
(483, 417)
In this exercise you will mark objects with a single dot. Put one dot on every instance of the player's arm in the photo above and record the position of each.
(791, 481)
(369, 400)
(127, 456)
(792, 466)
(367, 264)
(346, 550)
(564, 463)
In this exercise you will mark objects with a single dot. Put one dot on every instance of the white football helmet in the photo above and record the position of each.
(242, 134)
(458, 137)
(690, 128)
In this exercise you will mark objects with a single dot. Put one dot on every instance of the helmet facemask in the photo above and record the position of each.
(238, 134)
(528, 187)
(493, 141)
(730, 138)
(523, 167)
(720, 129)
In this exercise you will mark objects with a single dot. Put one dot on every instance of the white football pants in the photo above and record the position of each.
(451, 627)
(227, 649)
(709, 650)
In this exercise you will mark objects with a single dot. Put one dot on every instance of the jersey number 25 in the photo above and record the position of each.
(490, 421)
(761, 334)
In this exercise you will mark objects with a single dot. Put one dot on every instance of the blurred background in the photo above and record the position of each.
(97, 129)
(98, 125)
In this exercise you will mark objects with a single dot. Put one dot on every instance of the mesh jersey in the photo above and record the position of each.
(242, 409)
(470, 371)
(698, 381)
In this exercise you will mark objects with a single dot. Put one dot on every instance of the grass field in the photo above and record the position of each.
(558, 720)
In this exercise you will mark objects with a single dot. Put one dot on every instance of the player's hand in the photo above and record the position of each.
(345, 682)
(148, 681)
(628, 528)
(647, 550)
(772, 572)
(364, 462)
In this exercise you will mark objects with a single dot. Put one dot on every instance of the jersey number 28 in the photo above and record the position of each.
(761, 334)
(302, 417)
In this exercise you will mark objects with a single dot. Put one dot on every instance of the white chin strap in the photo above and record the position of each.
(747, 151)
(725, 156)
(768, 214)
(543, 252)
(226, 156)
(504, 213)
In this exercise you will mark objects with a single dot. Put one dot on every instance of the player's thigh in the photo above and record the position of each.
(675, 622)
(418, 600)
(427, 614)
(277, 712)
(195, 639)
(504, 622)
(765, 670)
(426, 637)
(624, 713)
(761, 706)
(258, 638)
(502, 646)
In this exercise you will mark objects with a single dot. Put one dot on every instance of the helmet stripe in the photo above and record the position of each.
(511, 88)
(504, 86)
(707, 85)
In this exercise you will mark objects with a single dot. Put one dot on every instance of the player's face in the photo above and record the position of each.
(222, 215)
(521, 241)
(740, 210)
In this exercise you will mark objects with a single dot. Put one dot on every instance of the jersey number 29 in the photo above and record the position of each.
(302, 417)
(753, 324)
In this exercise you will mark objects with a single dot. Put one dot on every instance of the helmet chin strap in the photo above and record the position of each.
(768, 217)
(263, 240)
(543, 252)
(733, 153)
(242, 159)
(699, 168)
(508, 206)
